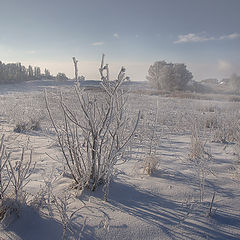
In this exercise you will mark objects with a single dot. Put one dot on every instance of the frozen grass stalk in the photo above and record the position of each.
(150, 161)
(200, 159)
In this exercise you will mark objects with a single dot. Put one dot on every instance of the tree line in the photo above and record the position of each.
(16, 72)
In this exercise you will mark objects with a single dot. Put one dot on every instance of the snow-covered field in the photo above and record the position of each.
(172, 203)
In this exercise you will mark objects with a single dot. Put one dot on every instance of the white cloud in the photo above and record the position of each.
(230, 36)
(192, 37)
(201, 37)
(97, 43)
(116, 35)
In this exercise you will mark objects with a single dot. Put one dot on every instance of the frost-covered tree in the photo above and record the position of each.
(37, 73)
(61, 77)
(81, 78)
(47, 73)
(168, 76)
(16, 73)
(12, 72)
(30, 72)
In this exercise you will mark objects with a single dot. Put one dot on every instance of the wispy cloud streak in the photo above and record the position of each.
(230, 36)
(200, 37)
(97, 43)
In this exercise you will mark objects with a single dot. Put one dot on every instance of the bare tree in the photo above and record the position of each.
(96, 133)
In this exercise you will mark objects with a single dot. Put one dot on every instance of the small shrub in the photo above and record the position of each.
(234, 99)
(210, 109)
(150, 164)
(211, 122)
(13, 179)
(200, 159)
(224, 134)
(32, 124)
(61, 77)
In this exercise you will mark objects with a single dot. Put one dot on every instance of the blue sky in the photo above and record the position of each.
(203, 34)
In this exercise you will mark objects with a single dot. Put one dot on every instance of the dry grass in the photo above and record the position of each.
(188, 95)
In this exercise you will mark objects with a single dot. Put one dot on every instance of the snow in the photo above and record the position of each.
(162, 206)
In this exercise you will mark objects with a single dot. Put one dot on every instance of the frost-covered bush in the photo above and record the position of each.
(13, 178)
(211, 122)
(32, 124)
(95, 131)
(61, 77)
(25, 112)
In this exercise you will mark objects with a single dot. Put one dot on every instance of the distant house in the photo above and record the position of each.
(210, 81)
(225, 81)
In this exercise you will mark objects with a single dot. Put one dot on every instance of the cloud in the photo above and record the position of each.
(192, 37)
(115, 35)
(230, 36)
(201, 37)
(97, 43)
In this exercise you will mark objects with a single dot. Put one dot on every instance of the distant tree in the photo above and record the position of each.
(81, 78)
(30, 72)
(37, 73)
(61, 77)
(46, 73)
(12, 72)
(168, 76)
(16, 72)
